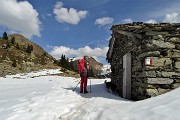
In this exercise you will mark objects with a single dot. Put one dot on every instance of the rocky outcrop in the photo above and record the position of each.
(157, 42)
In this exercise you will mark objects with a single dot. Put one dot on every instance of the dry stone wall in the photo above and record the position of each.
(158, 42)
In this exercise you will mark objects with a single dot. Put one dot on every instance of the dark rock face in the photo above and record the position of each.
(158, 42)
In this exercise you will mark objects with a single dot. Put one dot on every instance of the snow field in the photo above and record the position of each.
(40, 96)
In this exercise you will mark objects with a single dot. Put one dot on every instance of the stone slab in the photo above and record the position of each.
(159, 62)
(158, 80)
(162, 44)
(149, 54)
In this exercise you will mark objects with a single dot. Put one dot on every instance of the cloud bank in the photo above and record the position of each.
(172, 18)
(104, 21)
(128, 20)
(151, 21)
(97, 53)
(20, 17)
(70, 16)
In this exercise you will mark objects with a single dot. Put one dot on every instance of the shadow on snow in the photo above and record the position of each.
(98, 90)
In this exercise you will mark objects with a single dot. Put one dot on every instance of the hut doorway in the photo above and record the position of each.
(127, 76)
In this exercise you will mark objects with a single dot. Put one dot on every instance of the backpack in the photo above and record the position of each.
(80, 65)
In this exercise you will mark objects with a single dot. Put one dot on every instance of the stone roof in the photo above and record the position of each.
(140, 27)
(139, 30)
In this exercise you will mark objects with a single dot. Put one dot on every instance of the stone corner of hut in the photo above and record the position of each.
(158, 42)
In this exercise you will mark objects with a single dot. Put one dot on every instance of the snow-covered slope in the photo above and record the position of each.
(36, 97)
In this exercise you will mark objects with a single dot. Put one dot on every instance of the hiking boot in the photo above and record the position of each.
(86, 92)
(81, 92)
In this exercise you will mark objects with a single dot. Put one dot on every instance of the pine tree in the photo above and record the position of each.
(5, 36)
(63, 61)
(67, 63)
(29, 49)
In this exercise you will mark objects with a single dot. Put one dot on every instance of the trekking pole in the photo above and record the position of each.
(90, 85)
(76, 86)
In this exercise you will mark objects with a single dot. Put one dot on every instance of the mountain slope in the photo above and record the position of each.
(15, 57)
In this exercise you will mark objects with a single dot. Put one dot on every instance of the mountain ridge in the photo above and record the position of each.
(17, 57)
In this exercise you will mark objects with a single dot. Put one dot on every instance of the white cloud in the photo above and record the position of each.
(104, 21)
(71, 16)
(167, 13)
(97, 53)
(49, 14)
(172, 18)
(151, 21)
(162, 11)
(128, 20)
(20, 17)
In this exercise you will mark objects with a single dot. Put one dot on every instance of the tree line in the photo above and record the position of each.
(66, 63)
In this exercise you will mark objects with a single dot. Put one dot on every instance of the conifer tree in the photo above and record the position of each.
(61, 60)
(5, 36)
(29, 49)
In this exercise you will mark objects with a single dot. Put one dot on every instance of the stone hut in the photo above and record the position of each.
(145, 59)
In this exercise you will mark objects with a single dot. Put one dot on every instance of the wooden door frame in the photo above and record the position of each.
(127, 76)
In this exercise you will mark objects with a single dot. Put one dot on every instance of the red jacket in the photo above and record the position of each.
(81, 66)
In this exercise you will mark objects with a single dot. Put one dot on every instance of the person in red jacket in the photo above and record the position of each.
(83, 67)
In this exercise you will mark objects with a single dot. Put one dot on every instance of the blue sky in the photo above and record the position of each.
(80, 27)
